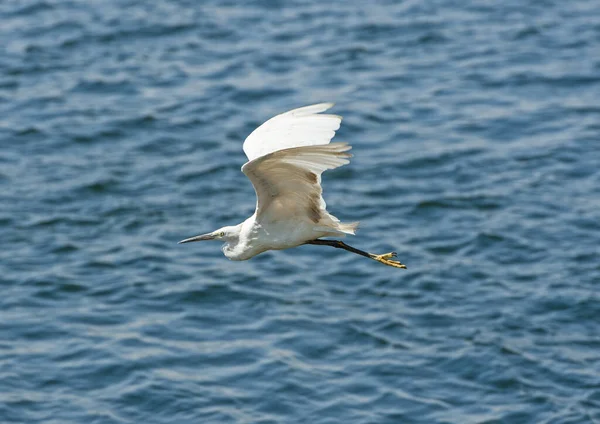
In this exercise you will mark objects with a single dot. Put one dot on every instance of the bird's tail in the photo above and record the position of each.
(334, 228)
(348, 227)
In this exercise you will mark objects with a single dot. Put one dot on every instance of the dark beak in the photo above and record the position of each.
(198, 238)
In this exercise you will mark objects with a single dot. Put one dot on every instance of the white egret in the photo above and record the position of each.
(286, 157)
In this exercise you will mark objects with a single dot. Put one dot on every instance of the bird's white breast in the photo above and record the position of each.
(257, 237)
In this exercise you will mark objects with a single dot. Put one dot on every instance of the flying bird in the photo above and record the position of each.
(286, 157)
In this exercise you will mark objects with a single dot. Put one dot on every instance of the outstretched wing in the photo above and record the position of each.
(288, 182)
(299, 127)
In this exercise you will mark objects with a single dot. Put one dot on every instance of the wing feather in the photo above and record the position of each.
(288, 182)
(299, 127)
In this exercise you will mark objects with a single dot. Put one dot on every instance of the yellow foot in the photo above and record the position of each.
(385, 259)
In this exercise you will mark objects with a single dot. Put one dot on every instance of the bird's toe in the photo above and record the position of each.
(385, 259)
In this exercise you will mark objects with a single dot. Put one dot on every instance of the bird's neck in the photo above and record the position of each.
(239, 248)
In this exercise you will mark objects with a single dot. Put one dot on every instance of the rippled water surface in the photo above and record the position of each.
(476, 134)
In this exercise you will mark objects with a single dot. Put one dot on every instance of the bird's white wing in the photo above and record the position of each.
(288, 182)
(299, 127)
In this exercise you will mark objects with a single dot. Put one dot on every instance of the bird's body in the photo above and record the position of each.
(254, 238)
(286, 157)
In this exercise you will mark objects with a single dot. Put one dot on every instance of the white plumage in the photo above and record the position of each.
(288, 184)
(286, 157)
(304, 126)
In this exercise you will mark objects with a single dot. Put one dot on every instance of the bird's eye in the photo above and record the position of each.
(222, 234)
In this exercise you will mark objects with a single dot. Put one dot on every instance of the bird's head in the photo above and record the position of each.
(227, 234)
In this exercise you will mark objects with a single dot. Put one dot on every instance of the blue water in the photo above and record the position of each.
(476, 135)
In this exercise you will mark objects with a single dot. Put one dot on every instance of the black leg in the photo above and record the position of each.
(384, 259)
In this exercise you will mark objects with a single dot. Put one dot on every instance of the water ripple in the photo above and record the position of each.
(474, 128)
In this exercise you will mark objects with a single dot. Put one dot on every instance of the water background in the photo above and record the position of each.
(476, 131)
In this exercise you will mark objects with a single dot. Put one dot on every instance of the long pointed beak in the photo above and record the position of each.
(198, 238)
